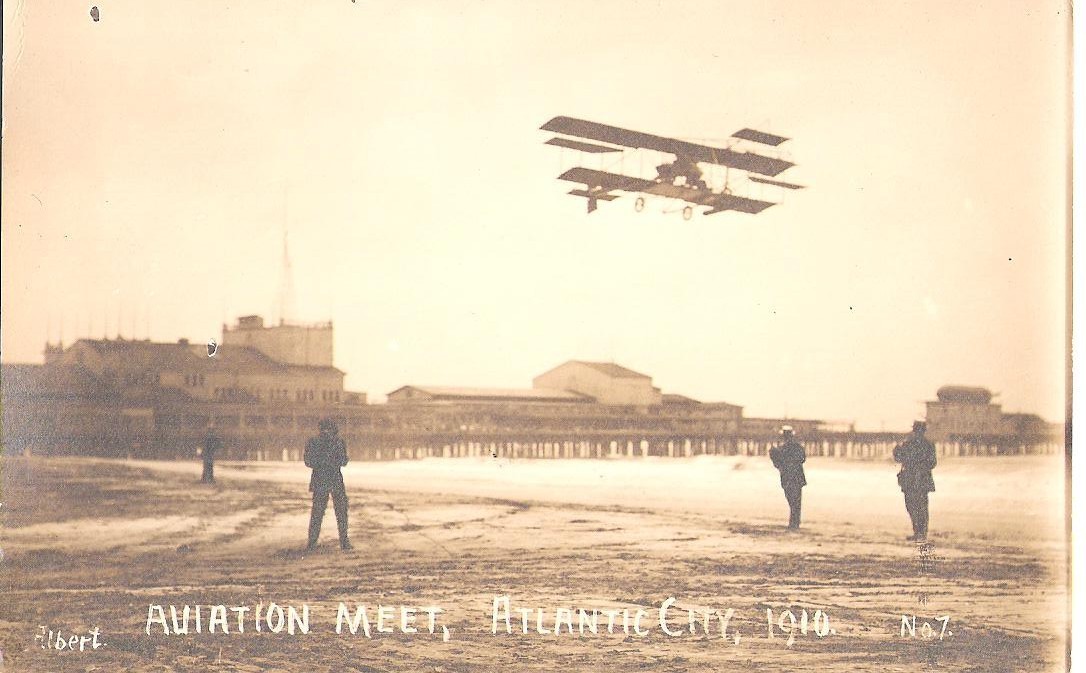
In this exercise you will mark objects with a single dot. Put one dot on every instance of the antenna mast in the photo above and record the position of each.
(286, 281)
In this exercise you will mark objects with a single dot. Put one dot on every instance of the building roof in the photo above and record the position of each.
(256, 322)
(1022, 416)
(146, 354)
(968, 394)
(187, 357)
(613, 370)
(496, 394)
(673, 398)
(10, 371)
(73, 383)
(34, 381)
(721, 405)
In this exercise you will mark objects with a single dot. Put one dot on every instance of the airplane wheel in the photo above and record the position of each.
(688, 212)
(639, 204)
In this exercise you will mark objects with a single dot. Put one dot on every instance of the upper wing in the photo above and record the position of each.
(747, 161)
(583, 147)
(759, 137)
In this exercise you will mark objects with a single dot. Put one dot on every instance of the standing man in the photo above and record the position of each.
(917, 457)
(212, 444)
(788, 457)
(325, 454)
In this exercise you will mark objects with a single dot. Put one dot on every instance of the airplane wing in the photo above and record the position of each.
(603, 181)
(717, 202)
(759, 137)
(601, 196)
(583, 147)
(697, 197)
(722, 202)
(775, 183)
(598, 184)
(747, 161)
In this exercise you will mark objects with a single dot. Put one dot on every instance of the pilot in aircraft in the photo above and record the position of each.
(689, 170)
(788, 458)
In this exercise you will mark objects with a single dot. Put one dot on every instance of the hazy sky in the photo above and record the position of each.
(152, 159)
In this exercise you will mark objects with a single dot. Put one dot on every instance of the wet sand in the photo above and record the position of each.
(92, 543)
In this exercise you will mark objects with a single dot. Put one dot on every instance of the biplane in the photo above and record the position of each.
(681, 179)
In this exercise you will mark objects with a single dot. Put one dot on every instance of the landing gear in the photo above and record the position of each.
(688, 212)
(639, 204)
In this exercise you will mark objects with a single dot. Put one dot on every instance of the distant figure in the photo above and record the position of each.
(325, 454)
(917, 457)
(212, 444)
(788, 457)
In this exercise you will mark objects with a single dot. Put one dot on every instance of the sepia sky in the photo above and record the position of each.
(153, 159)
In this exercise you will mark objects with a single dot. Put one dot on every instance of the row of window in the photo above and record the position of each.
(415, 424)
(275, 395)
(142, 378)
(233, 394)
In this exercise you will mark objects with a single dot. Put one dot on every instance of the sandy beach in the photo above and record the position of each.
(91, 544)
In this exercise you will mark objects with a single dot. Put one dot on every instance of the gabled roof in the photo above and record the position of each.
(496, 394)
(145, 354)
(73, 383)
(673, 398)
(612, 370)
(183, 356)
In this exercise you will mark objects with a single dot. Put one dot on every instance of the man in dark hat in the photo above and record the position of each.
(212, 444)
(917, 457)
(788, 457)
(325, 454)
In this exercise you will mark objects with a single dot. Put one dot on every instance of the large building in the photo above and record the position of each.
(137, 397)
(962, 411)
(303, 345)
(264, 389)
(134, 369)
(601, 400)
(968, 414)
(605, 382)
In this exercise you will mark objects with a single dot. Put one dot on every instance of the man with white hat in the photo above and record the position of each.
(917, 457)
(788, 458)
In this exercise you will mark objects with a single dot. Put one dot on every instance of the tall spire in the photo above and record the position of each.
(286, 283)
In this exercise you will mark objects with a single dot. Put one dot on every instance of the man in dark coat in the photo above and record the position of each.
(788, 457)
(212, 444)
(325, 454)
(917, 457)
